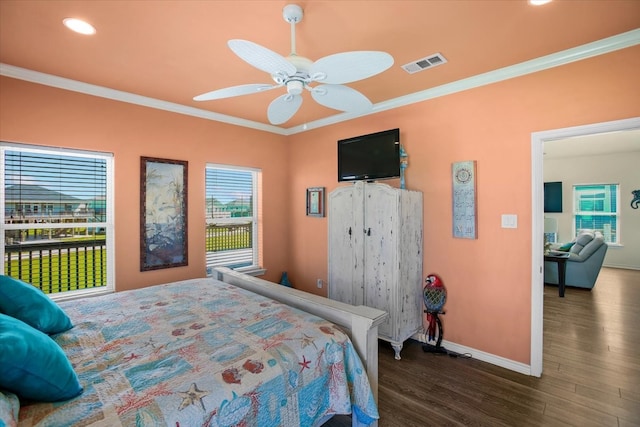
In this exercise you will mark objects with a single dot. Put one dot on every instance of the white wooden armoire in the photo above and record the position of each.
(375, 254)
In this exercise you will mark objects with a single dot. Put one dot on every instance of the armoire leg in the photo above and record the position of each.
(398, 348)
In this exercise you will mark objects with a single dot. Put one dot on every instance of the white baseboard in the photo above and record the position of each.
(512, 365)
(622, 266)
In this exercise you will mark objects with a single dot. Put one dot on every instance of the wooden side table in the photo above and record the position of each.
(561, 260)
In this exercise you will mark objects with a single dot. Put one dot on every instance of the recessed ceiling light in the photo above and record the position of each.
(538, 2)
(79, 26)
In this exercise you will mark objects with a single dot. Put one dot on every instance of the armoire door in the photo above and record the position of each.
(345, 213)
(380, 252)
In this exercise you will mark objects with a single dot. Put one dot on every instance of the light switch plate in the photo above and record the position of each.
(509, 221)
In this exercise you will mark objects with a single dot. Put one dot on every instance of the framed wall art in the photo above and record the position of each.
(315, 201)
(163, 213)
(465, 213)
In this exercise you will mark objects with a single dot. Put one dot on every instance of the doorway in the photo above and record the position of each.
(537, 224)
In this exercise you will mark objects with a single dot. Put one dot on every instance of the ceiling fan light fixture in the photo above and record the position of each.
(79, 26)
(295, 87)
(538, 2)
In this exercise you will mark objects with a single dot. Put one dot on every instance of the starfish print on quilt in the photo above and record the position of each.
(192, 396)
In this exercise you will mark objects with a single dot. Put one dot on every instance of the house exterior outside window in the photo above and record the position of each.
(231, 212)
(52, 237)
(596, 207)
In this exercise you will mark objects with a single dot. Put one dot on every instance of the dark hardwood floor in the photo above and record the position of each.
(591, 370)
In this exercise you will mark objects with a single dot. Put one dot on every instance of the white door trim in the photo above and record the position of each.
(537, 220)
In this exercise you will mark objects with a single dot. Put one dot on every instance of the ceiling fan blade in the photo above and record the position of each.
(234, 91)
(341, 98)
(349, 67)
(283, 108)
(261, 57)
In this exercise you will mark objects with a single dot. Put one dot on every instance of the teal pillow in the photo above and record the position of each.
(29, 304)
(565, 247)
(32, 365)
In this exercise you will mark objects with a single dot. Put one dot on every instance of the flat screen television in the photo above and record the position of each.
(553, 196)
(369, 157)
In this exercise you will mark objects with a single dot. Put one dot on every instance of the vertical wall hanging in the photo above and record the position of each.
(465, 221)
(315, 201)
(163, 213)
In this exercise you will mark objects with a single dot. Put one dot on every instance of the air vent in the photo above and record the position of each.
(424, 63)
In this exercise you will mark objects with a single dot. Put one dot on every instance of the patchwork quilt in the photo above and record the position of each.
(204, 353)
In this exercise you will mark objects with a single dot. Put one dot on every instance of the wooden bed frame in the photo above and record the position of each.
(361, 322)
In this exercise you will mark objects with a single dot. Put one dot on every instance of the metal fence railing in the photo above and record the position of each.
(229, 245)
(224, 237)
(58, 266)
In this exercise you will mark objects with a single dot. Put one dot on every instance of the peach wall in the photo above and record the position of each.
(488, 279)
(36, 114)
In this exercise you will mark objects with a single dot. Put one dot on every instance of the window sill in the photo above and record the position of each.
(67, 296)
(252, 271)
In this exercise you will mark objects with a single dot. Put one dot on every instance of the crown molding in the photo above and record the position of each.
(131, 98)
(589, 50)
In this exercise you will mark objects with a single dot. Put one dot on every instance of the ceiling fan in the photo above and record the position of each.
(297, 73)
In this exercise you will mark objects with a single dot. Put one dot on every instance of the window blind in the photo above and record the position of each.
(53, 185)
(55, 209)
(231, 220)
(596, 208)
(229, 193)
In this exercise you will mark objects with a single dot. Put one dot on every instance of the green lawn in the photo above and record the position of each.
(88, 269)
(52, 274)
(220, 240)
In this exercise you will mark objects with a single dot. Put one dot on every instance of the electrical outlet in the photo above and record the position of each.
(319, 283)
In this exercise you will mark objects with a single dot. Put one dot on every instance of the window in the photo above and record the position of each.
(595, 207)
(231, 217)
(57, 219)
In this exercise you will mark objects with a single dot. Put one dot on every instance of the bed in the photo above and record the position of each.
(224, 351)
